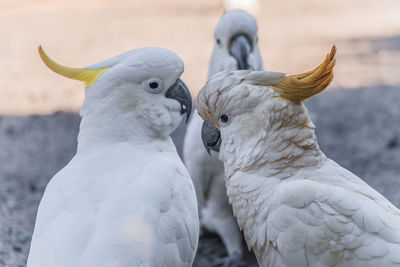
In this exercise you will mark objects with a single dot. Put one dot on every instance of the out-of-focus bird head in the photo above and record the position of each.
(141, 88)
(246, 108)
(235, 47)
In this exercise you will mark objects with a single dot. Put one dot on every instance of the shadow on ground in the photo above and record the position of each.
(360, 129)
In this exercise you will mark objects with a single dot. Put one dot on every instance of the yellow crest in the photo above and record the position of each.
(300, 87)
(85, 75)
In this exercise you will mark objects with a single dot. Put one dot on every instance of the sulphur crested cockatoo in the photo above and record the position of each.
(235, 48)
(125, 199)
(295, 206)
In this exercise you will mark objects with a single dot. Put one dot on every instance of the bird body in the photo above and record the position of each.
(131, 208)
(235, 48)
(323, 216)
(296, 207)
(125, 199)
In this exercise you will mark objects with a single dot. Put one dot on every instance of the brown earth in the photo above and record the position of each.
(294, 37)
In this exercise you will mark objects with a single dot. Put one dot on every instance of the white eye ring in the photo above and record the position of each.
(225, 119)
(153, 85)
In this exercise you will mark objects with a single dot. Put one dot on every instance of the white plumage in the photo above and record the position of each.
(229, 53)
(125, 199)
(295, 206)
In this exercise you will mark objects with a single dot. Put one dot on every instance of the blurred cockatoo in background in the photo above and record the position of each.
(235, 48)
(295, 206)
(249, 5)
(125, 199)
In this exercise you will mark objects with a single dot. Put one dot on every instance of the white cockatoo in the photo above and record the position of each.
(125, 199)
(235, 48)
(295, 206)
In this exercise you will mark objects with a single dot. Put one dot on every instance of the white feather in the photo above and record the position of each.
(125, 199)
(296, 207)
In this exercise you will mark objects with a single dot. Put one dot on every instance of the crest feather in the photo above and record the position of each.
(300, 87)
(88, 76)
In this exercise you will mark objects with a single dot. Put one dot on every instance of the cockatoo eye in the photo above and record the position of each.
(153, 85)
(225, 119)
(218, 41)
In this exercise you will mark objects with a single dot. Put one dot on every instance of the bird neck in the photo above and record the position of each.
(100, 126)
(282, 146)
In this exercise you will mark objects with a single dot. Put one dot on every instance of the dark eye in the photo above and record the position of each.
(218, 41)
(224, 118)
(153, 85)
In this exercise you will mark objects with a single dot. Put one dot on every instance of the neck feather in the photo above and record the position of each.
(104, 126)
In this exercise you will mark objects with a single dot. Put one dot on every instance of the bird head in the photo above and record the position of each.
(235, 48)
(235, 45)
(240, 105)
(141, 88)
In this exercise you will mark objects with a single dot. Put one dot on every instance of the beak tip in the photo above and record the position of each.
(211, 138)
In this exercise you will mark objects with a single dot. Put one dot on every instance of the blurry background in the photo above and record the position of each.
(294, 37)
(357, 118)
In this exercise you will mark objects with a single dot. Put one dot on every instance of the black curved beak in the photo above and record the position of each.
(211, 137)
(240, 48)
(180, 92)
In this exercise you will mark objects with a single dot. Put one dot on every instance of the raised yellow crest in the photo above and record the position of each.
(300, 87)
(86, 75)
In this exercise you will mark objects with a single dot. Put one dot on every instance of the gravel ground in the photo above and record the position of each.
(360, 129)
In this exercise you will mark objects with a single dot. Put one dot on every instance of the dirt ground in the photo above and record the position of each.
(359, 128)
